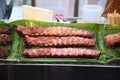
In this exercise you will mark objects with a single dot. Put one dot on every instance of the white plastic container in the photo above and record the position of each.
(92, 13)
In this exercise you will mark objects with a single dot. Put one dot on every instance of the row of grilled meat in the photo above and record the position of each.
(5, 39)
(62, 36)
(52, 37)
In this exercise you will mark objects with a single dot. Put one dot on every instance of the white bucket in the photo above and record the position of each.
(92, 13)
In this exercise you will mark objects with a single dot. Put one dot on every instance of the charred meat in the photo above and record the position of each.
(3, 52)
(5, 39)
(53, 31)
(59, 41)
(61, 52)
(112, 39)
(6, 30)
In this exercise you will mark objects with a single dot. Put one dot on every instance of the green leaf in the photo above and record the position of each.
(28, 23)
(14, 56)
(107, 53)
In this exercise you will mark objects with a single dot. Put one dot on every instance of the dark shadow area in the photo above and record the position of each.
(58, 73)
(3, 73)
(65, 73)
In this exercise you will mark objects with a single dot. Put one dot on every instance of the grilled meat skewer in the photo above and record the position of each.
(59, 41)
(53, 31)
(112, 39)
(4, 39)
(61, 52)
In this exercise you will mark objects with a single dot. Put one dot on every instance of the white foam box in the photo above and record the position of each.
(31, 13)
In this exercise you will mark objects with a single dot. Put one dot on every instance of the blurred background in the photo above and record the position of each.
(65, 7)
(69, 8)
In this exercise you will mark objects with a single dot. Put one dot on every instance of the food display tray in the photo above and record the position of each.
(109, 57)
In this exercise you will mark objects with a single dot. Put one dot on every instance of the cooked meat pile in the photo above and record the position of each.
(59, 41)
(61, 52)
(6, 30)
(58, 37)
(112, 39)
(4, 52)
(53, 31)
(4, 39)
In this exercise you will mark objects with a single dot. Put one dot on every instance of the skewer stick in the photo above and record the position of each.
(113, 18)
